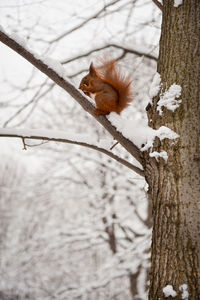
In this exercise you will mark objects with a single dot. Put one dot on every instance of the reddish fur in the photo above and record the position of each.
(112, 89)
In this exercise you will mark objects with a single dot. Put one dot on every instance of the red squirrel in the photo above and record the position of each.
(112, 88)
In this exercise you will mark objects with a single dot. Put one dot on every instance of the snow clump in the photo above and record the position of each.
(169, 291)
(177, 3)
(168, 99)
(183, 288)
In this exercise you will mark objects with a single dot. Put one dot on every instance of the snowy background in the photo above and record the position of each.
(74, 223)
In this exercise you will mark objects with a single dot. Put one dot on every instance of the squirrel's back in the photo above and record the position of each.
(110, 73)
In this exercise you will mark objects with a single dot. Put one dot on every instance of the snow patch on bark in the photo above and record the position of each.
(183, 288)
(157, 155)
(162, 133)
(168, 99)
(177, 3)
(155, 86)
(169, 291)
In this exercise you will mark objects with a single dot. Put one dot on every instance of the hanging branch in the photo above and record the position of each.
(50, 136)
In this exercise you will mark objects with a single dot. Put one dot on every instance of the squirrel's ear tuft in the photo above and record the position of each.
(92, 70)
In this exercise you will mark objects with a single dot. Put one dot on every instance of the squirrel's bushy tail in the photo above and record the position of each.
(110, 72)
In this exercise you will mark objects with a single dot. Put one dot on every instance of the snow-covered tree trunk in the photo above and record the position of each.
(174, 186)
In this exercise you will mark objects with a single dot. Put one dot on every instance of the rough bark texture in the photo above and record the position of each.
(175, 185)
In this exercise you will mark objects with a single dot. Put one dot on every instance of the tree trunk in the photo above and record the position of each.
(174, 187)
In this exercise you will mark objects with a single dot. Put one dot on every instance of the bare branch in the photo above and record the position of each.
(33, 134)
(113, 146)
(158, 4)
(36, 145)
(125, 49)
(84, 22)
(35, 98)
(24, 144)
(76, 94)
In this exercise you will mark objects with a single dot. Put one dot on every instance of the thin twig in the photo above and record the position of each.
(83, 23)
(158, 4)
(34, 98)
(36, 145)
(23, 140)
(125, 49)
(113, 146)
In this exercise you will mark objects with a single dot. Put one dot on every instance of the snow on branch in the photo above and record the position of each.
(61, 136)
(55, 71)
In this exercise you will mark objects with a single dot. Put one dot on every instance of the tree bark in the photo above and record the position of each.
(174, 187)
